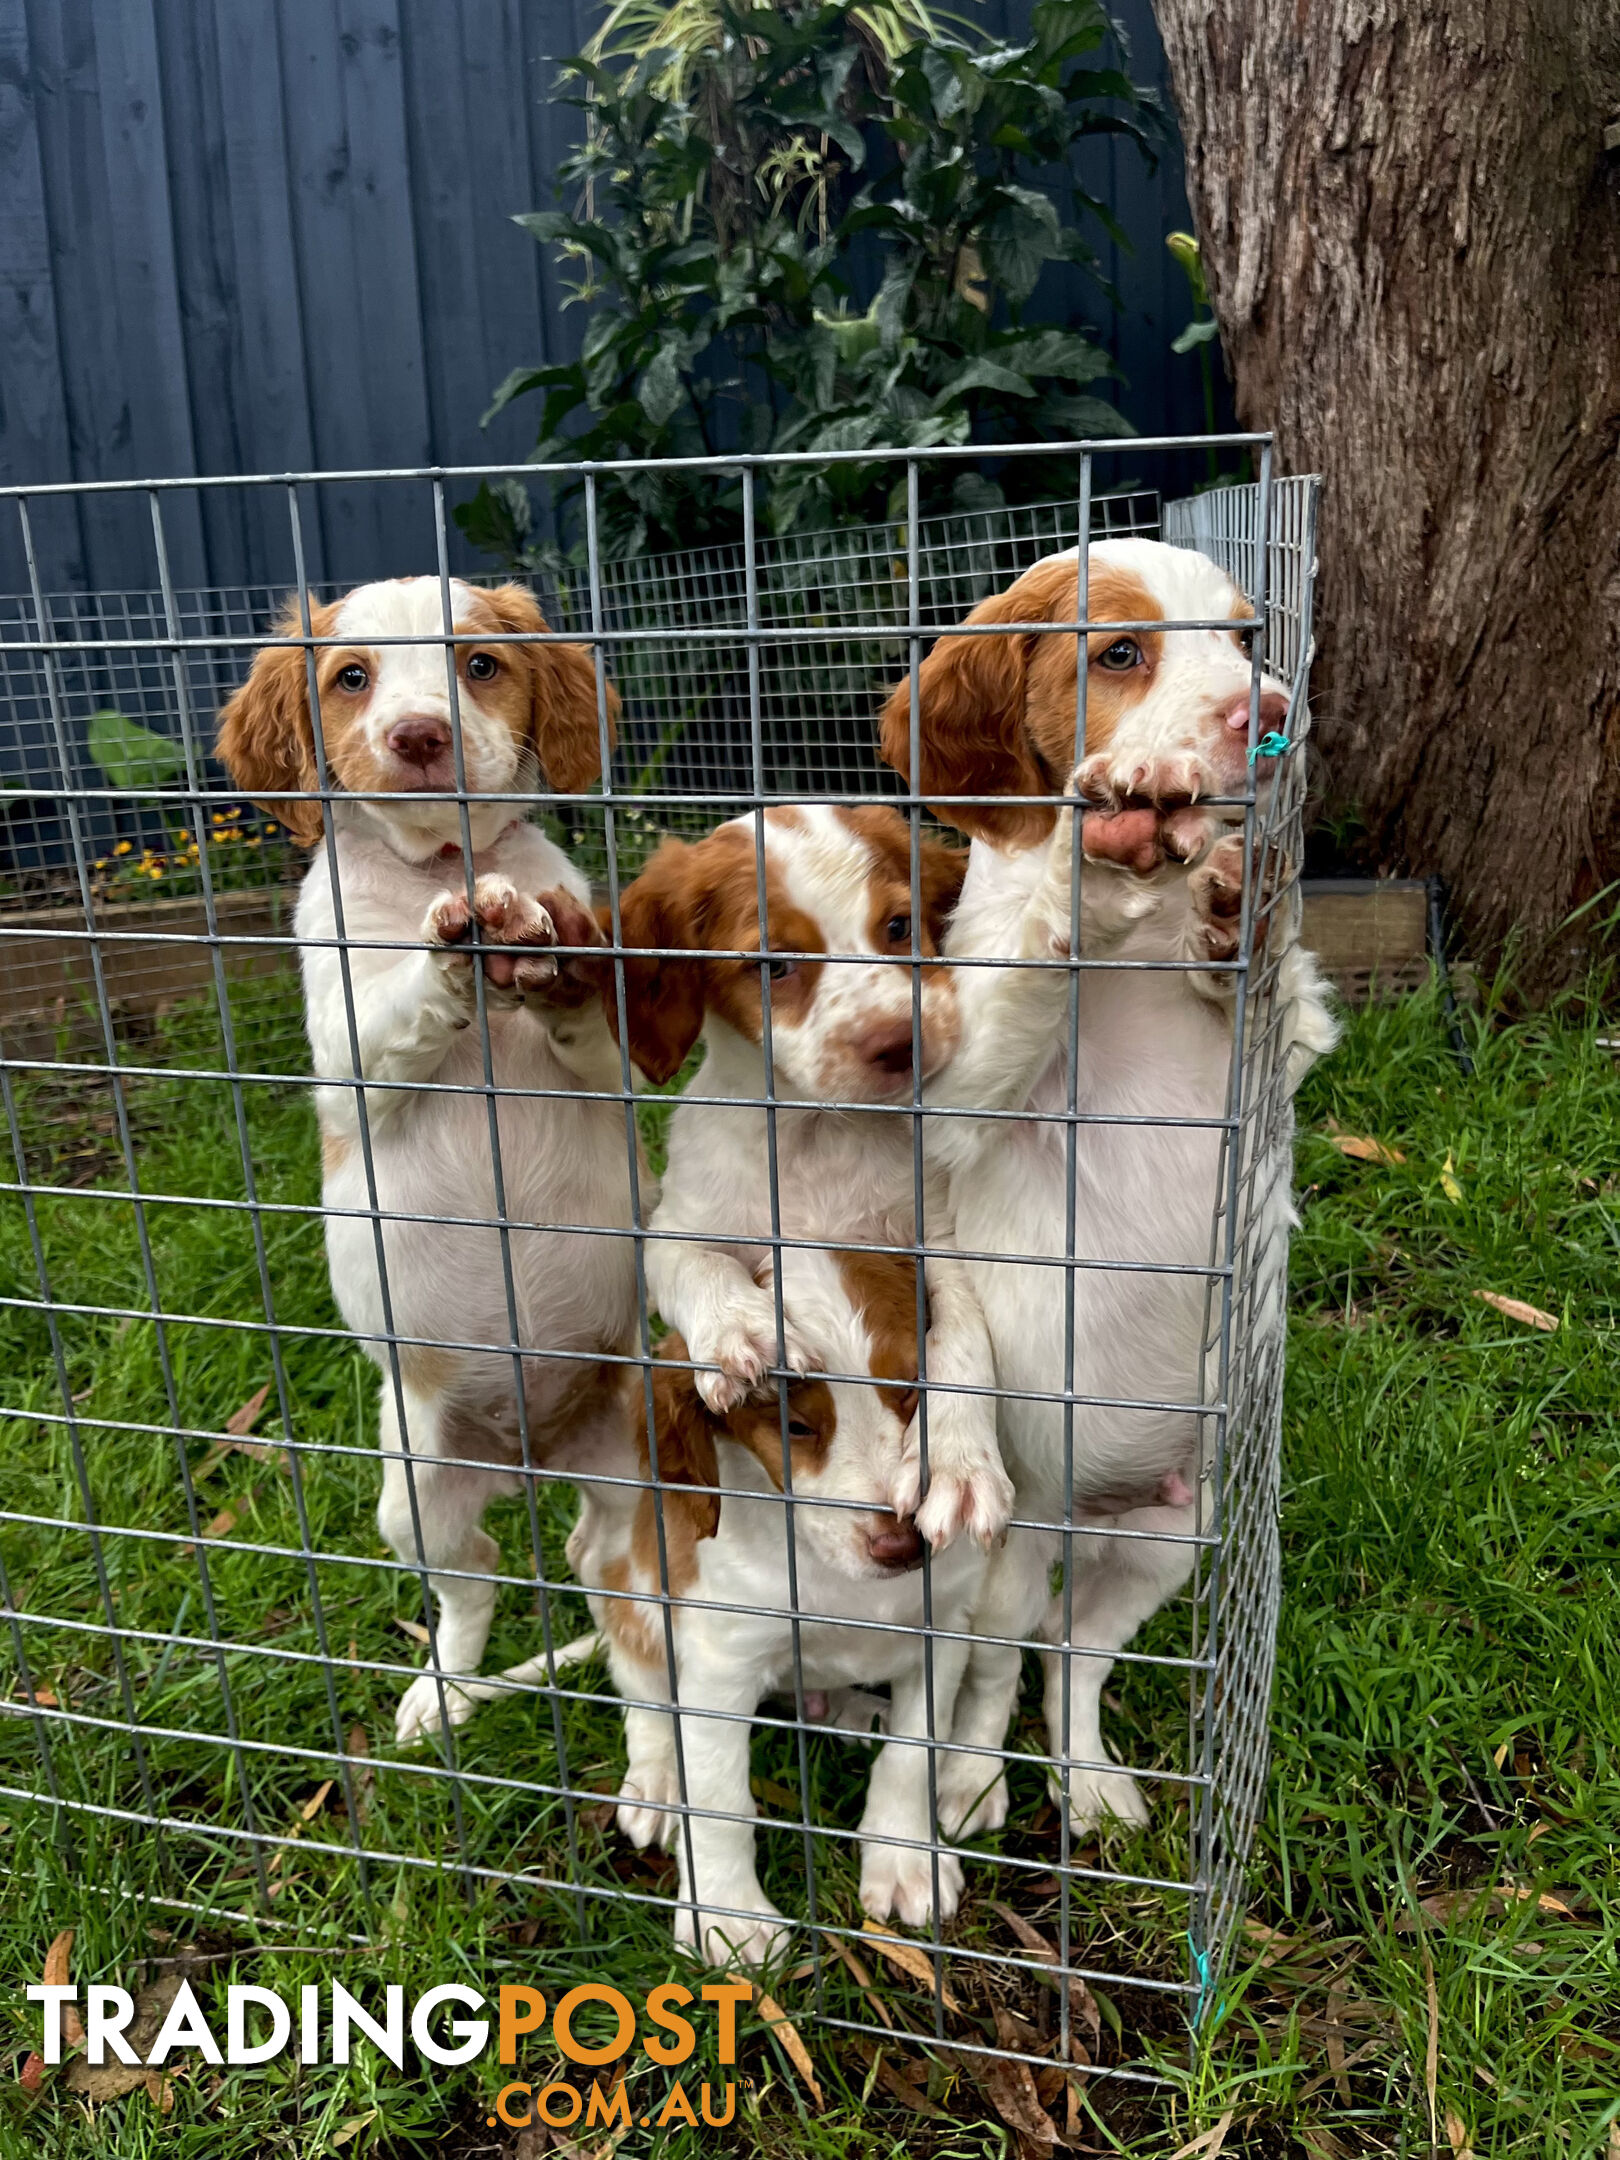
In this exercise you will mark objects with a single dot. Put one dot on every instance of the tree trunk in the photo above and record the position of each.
(1411, 230)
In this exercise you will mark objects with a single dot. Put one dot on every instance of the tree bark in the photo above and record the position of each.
(1411, 231)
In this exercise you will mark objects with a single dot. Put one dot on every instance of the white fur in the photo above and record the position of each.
(1151, 1045)
(846, 1175)
(727, 1663)
(563, 1162)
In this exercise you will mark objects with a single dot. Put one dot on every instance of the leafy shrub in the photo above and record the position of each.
(732, 202)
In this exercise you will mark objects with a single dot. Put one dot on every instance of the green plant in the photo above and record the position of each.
(794, 235)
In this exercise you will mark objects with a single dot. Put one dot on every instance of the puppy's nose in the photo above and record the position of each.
(887, 1045)
(419, 738)
(899, 1547)
(1273, 712)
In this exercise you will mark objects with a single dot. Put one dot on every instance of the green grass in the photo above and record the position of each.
(1435, 1872)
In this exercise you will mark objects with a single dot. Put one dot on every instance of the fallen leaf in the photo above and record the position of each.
(1443, 1907)
(788, 2033)
(243, 1421)
(900, 2088)
(110, 2080)
(1011, 2091)
(909, 1958)
(317, 1800)
(1210, 2143)
(358, 1744)
(1337, 1999)
(160, 2091)
(1614, 2140)
(1499, 1755)
(863, 1979)
(1363, 1147)
(1278, 1943)
(1448, 1181)
(1431, 2054)
(57, 1974)
(1319, 2141)
(1457, 2137)
(43, 1697)
(1082, 2003)
(345, 2132)
(31, 2073)
(1512, 1308)
(229, 1515)
(414, 1629)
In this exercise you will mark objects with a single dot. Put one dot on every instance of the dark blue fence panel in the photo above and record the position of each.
(278, 236)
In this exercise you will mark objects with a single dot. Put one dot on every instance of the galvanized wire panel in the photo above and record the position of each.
(203, 1635)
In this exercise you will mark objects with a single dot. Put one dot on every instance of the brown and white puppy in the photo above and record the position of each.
(735, 1629)
(841, 934)
(528, 717)
(1167, 719)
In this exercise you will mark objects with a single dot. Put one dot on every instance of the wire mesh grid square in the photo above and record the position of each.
(203, 1624)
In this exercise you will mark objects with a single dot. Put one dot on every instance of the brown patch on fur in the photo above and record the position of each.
(996, 715)
(940, 871)
(883, 1289)
(426, 1368)
(705, 897)
(336, 1148)
(265, 737)
(635, 1627)
(812, 1422)
(686, 1458)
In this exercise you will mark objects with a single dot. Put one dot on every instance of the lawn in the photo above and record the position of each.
(1430, 1952)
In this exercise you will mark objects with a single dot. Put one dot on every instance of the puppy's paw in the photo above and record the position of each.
(578, 979)
(741, 1340)
(753, 1933)
(647, 1800)
(418, 1713)
(972, 1793)
(1100, 1800)
(899, 1880)
(969, 1492)
(499, 918)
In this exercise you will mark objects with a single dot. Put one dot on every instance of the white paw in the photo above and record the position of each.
(974, 1496)
(899, 1880)
(742, 1342)
(502, 916)
(418, 1712)
(650, 1791)
(1101, 1800)
(754, 1933)
(972, 1795)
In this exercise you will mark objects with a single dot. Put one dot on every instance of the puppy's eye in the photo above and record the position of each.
(780, 970)
(799, 1430)
(1122, 654)
(898, 929)
(352, 678)
(482, 667)
(1245, 639)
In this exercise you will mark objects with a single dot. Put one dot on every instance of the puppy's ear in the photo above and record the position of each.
(686, 1453)
(563, 723)
(266, 740)
(664, 998)
(941, 870)
(972, 726)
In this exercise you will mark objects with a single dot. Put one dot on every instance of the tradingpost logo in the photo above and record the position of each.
(259, 2026)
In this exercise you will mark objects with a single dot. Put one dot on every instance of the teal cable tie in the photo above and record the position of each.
(1272, 745)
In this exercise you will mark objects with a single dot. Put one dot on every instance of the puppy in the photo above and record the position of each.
(1167, 724)
(837, 883)
(732, 1620)
(389, 958)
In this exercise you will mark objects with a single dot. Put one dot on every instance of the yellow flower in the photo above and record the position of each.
(183, 836)
(156, 870)
(123, 847)
(253, 840)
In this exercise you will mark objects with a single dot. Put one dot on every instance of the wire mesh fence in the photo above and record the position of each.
(844, 1268)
